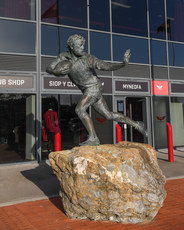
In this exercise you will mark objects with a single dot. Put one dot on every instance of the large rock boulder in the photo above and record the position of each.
(120, 182)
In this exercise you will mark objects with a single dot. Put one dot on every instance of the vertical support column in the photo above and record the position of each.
(38, 81)
(30, 128)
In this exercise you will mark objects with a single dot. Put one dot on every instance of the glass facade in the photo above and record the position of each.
(99, 15)
(126, 19)
(33, 34)
(70, 13)
(17, 37)
(18, 9)
(175, 20)
(138, 46)
(157, 19)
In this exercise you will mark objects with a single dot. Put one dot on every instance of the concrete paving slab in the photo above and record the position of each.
(26, 182)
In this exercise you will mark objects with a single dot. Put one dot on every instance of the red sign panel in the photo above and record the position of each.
(160, 88)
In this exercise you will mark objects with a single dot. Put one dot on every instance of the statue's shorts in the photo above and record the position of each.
(94, 91)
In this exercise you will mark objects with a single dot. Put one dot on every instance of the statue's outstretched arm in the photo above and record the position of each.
(101, 65)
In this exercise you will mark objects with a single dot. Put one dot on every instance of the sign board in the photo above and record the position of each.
(131, 86)
(64, 83)
(160, 88)
(16, 82)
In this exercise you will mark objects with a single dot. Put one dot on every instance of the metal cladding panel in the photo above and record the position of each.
(134, 71)
(176, 73)
(177, 88)
(159, 72)
(45, 61)
(17, 62)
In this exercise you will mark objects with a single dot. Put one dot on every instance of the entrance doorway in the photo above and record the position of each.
(17, 128)
(138, 109)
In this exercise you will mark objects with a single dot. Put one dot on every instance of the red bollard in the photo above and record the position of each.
(170, 142)
(118, 133)
(57, 142)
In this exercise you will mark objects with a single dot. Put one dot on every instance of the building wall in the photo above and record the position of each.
(33, 33)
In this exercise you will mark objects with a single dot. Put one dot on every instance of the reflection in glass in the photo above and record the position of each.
(175, 15)
(138, 47)
(158, 53)
(157, 19)
(100, 45)
(18, 9)
(17, 128)
(176, 54)
(49, 40)
(177, 120)
(17, 37)
(129, 17)
(49, 11)
(99, 15)
(160, 118)
(70, 12)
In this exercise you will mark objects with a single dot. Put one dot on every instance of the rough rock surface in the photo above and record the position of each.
(120, 182)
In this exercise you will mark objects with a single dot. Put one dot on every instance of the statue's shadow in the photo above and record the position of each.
(42, 176)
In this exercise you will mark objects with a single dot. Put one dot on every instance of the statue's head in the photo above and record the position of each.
(75, 44)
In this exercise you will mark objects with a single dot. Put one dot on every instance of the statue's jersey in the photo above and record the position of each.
(82, 72)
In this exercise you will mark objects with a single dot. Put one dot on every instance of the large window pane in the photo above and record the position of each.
(99, 15)
(70, 12)
(100, 45)
(177, 120)
(157, 19)
(54, 39)
(176, 54)
(158, 53)
(129, 17)
(17, 37)
(18, 9)
(50, 42)
(17, 128)
(138, 47)
(175, 15)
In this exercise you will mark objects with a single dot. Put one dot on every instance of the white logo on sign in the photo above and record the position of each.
(160, 86)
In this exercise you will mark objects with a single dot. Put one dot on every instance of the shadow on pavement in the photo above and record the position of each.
(42, 176)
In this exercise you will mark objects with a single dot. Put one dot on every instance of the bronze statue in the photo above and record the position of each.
(80, 68)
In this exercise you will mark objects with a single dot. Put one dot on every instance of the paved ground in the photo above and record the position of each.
(26, 202)
(174, 169)
(48, 215)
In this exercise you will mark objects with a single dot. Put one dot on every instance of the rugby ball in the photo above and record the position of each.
(63, 67)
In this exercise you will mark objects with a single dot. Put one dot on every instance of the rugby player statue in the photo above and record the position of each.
(80, 68)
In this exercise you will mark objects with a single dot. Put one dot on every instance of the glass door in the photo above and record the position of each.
(137, 109)
(120, 107)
